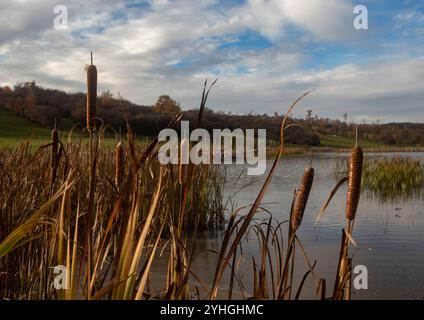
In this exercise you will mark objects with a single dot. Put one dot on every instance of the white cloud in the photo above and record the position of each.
(330, 19)
(136, 52)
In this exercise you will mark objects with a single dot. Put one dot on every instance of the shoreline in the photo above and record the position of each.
(292, 150)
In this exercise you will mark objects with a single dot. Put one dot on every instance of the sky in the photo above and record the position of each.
(266, 53)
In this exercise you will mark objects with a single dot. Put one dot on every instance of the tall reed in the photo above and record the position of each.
(91, 108)
(342, 283)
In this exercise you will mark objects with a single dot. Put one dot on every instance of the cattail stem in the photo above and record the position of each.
(119, 164)
(90, 210)
(356, 135)
(91, 125)
(54, 157)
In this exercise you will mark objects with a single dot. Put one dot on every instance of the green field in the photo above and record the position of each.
(15, 130)
(334, 141)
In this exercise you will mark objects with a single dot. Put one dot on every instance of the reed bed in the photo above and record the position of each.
(26, 186)
(389, 177)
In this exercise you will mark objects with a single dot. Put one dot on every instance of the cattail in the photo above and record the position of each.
(301, 199)
(354, 187)
(119, 164)
(91, 95)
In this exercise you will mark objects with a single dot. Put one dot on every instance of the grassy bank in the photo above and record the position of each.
(15, 131)
(333, 141)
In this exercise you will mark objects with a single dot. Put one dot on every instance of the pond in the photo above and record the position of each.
(389, 234)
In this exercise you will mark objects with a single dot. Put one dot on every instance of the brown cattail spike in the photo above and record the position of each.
(119, 164)
(354, 186)
(91, 96)
(301, 199)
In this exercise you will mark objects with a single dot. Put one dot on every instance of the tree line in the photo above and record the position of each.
(45, 106)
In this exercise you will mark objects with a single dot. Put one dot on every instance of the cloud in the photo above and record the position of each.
(329, 20)
(145, 49)
(18, 17)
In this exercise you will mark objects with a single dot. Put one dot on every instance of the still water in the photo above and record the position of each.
(389, 233)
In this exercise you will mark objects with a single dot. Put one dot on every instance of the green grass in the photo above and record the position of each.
(388, 177)
(15, 130)
(346, 142)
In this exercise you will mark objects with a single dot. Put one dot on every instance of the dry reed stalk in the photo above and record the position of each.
(55, 147)
(54, 155)
(354, 184)
(91, 124)
(119, 164)
(182, 172)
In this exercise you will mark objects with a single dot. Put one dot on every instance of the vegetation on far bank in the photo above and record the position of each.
(15, 130)
(334, 141)
(388, 177)
(42, 107)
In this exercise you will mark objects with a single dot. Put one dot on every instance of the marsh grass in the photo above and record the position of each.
(29, 207)
(389, 177)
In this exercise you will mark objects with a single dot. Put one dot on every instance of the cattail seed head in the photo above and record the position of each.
(301, 199)
(119, 164)
(91, 96)
(354, 183)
